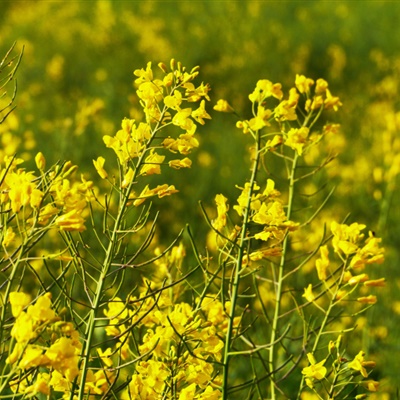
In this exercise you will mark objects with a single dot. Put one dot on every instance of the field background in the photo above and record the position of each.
(75, 84)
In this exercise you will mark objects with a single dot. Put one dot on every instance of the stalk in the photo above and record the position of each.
(236, 280)
(91, 324)
(280, 280)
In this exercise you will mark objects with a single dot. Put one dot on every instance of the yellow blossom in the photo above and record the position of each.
(177, 164)
(314, 370)
(127, 178)
(357, 364)
(182, 119)
(9, 236)
(308, 293)
(296, 138)
(223, 106)
(381, 282)
(222, 208)
(285, 111)
(152, 164)
(332, 102)
(303, 84)
(40, 161)
(99, 165)
(371, 385)
(188, 392)
(64, 357)
(71, 221)
(321, 86)
(322, 263)
(18, 301)
(371, 299)
(144, 75)
(358, 278)
(173, 101)
(200, 113)
(264, 89)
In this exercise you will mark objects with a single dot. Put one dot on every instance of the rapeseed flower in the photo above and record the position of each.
(314, 370)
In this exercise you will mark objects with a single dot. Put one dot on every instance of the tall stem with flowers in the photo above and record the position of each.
(261, 245)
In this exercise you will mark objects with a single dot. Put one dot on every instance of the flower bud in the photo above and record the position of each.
(371, 299)
(40, 161)
(376, 282)
(163, 67)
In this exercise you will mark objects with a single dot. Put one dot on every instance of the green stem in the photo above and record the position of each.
(238, 269)
(110, 254)
(332, 304)
(279, 282)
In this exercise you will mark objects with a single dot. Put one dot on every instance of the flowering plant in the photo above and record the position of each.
(111, 314)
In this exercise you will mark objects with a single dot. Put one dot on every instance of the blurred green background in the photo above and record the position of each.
(76, 85)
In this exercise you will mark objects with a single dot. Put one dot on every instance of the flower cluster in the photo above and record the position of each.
(178, 351)
(266, 210)
(298, 138)
(165, 104)
(50, 200)
(42, 340)
(336, 369)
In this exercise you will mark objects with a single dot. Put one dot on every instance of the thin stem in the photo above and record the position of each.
(238, 269)
(279, 281)
(107, 264)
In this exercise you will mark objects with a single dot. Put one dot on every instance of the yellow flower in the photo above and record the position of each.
(371, 385)
(144, 75)
(33, 357)
(188, 392)
(222, 209)
(173, 101)
(200, 114)
(18, 301)
(155, 372)
(315, 370)
(71, 221)
(371, 299)
(47, 212)
(40, 161)
(177, 164)
(41, 311)
(303, 84)
(354, 280)
(152, 164)
(308, 293)
(210, 394)
(195, 94)
(357, 364)
(322, 263)
(105, 356)
(265, 88)
(332, 102)
(182, 119)
(41, 385)
(346, 237)
(184, 144)
(9, 237)
(23, 329)
(64, 357)
(99, 164)
(321, 86)
(381, 282)
(296, 138)
(127, 178)
(223, 106)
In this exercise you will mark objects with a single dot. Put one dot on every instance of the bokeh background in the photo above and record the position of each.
(75, 84)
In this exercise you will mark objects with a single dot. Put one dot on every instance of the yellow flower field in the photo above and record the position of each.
(199, 200)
